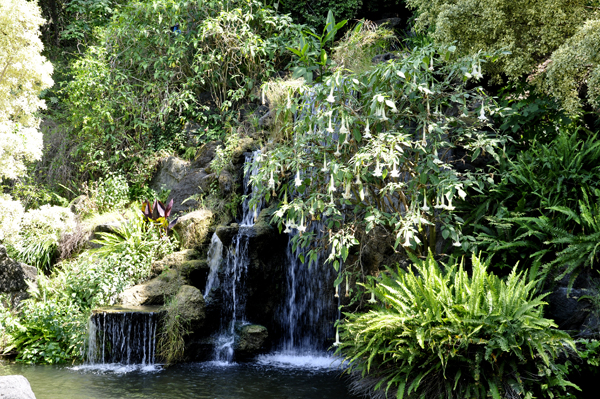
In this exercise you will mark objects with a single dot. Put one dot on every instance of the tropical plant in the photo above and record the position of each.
(376, 149)
(132, 93)
(171, 343)
(441, 332)
(312, 54)
(525, 215)
(24, 73)
(158, 214)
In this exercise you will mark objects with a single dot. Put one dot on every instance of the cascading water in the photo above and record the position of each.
(308, 313)
(235, 268)
(126, 337)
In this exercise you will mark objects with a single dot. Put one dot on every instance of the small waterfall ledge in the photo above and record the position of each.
(123, 335)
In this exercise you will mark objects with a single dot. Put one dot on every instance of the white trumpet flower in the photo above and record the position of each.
(337, 337)
(331, 98)
(271, 181)
(372, 300)
(482, 116)
(367, 131)
(329, 128)
(331, 184)
(298, 181)
(347, 194)
(395, 172)
(324, 168)
(377, 172)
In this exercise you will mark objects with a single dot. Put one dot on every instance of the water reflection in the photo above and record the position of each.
(201, 380)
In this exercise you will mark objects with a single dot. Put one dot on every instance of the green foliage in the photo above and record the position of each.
(50, 326)
(573, 74)
(530, 214)
(371, 149)
(531, 115)
(311, 52)
(445, 333)
(530, 31)
(144, 78)
(44, 330)
(171, 343)
(313, 13)
(111, 193)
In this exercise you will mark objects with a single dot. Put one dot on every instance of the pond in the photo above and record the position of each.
(269, 377)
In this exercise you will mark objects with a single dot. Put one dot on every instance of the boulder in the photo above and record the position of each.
(567, 308)
(171, 171)
(14, 277)
(193, 228)
(153, 292)
(15, 387)
(183, 180)
(226, 233)
(226, 182)
(205, 155)
(189, 305)
(384, 58)
(190, 264)
(249, 340)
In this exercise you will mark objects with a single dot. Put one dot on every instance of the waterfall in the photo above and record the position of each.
(309, 311)
(215, 256)
(123, 336)
(235, 268)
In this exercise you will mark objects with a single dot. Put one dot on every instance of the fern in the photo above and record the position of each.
(446, 334)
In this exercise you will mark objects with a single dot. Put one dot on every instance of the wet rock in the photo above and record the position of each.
(15, 387)
(189, 305)
(226, 233)
(384, 58)
(193, 228)
(153, 292)
(267, 119)
(388, 22)
(189, 263)
(226, 182)
(14, 277)
(249, 340)
(567, 308)
(171, 171)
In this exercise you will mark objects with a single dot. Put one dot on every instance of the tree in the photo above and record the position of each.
(24, 73)
(530, 30)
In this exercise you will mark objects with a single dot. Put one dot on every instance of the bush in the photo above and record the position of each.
(11, 213)
(441, 333)
(50, 326)
(41, 230)
(111, 193)
(152, 79)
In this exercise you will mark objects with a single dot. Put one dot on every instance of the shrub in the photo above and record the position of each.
(11, 213)
(41, 230)
(111, 193)
(441, 333)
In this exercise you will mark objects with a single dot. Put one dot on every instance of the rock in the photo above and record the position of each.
(15, 387)
(78, 204)
(249, 340)
(260, 111)
(153, 292)
(226, 233)
(384, 58)
(14, 277)
(205, 155)
(388, 22)
(226, 182)
(109, 227)
(189, 263)
(267, 119)
(193, 228)
(590, 327)
(171, 171)
(566, 308)
(189, 305)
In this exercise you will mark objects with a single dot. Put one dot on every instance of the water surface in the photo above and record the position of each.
(281, 378)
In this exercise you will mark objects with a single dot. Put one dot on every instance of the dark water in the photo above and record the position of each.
(260, 380)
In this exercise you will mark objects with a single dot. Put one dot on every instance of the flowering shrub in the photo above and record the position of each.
(378, 149)
(11, 213)
(111, 193)
(24, 74)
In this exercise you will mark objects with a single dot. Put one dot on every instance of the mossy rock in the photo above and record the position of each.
(189, 305)
(193, 228)
(250, 340)
(183, 260)
(153, 292)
